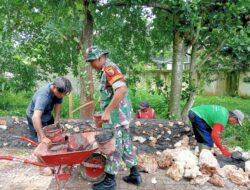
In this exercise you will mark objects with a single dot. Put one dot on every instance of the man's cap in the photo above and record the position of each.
(144, 105)
(63, 85)
(239, 115)
(94, 52)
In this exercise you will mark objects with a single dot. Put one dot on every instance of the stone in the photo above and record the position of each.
(200, 180)
(171, 124)
(208, 170)
(160, 125)
(165, 160)
(237, 176)
(178, 144)
(76, 129)
(5, 144)
(147, 163)
(206, 157)
(3, 127)
(180, 123)
(247, 166)
(139, 138)
(153, 142)
(192, 173)
(137, 123)
(153, 180)
(3, 122)
(238, 149)
(217, 180)
(176, 171)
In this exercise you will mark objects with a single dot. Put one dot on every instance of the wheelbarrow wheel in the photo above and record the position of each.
(91, 173)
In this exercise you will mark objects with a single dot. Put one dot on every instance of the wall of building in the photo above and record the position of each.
(244, 87)
(216, 88)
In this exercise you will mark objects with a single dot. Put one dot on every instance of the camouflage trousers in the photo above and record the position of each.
(123, 149)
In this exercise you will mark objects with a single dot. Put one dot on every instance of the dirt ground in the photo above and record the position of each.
(15, 175)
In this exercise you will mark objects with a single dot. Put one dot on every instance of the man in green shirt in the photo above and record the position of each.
(208, 122)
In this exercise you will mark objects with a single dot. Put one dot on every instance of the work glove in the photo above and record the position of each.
(225, 152)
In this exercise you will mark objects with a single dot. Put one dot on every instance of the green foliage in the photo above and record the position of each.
(246, 79)
(14, 104)
(37, 39)
(65, 107)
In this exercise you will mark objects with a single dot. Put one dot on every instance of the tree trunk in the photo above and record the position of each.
(86, 80)
(232, 83)
(192, 85)
(176, 79)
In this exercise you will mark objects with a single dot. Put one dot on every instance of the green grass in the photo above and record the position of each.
(230, 103)
(12, 104)
(235, 136)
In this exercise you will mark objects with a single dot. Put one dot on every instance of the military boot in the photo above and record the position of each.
(108, 183)
(134, 177)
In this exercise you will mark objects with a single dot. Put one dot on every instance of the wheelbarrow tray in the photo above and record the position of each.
(69, 158)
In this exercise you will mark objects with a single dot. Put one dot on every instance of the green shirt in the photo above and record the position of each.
(212, 114)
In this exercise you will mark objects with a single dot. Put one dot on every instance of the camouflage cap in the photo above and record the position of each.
(94, 52)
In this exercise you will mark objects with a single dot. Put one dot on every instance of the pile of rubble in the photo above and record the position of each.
(182, 163)
(149, 136)
(160, 144)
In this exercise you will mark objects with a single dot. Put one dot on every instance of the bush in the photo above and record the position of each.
(14, 104)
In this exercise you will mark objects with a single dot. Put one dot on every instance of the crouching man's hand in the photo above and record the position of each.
(225, 152)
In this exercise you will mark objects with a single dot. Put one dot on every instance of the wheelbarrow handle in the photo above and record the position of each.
(27, 139)
(25, 161)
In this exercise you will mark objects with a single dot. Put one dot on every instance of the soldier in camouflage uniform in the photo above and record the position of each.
(117, 111)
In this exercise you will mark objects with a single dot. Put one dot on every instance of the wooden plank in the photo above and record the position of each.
(70, 105)
(88, 103)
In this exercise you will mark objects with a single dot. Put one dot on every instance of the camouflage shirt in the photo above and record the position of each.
(111, 79)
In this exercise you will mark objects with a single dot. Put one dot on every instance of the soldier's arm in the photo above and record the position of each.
(118, 96)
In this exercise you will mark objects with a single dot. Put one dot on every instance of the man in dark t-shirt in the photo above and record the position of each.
(45, 100)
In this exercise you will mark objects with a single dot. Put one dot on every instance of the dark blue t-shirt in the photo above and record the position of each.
(44, 101)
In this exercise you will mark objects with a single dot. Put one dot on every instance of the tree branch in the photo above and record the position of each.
(147, 4)
(212, 52)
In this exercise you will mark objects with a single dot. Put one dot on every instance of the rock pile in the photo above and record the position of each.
(149, 136)
(168, 145)
(182, 163)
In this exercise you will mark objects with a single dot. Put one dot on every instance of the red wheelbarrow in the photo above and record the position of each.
(91, 163)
